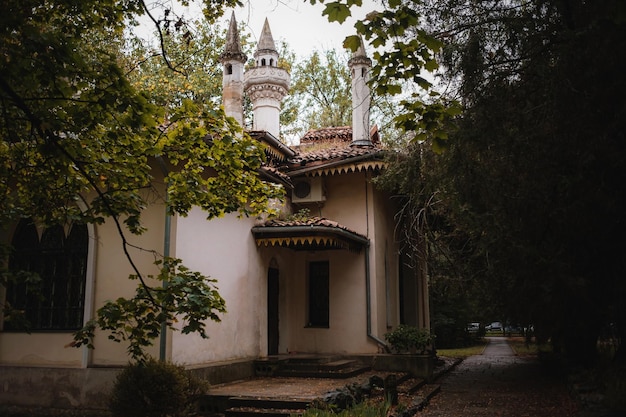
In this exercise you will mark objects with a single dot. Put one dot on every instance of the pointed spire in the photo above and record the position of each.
(266, 89)
(266, 41)
(232, 50)
(359, 56)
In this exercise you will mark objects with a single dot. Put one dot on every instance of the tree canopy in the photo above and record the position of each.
(80, 136)
(526, 203)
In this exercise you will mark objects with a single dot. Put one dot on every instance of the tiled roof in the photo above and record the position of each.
(315, 233)
(332, 143)
(328, 133)
(312, 221)
(273, 174)
(332, 153)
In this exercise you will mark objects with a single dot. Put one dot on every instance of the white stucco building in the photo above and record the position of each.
(330, 283)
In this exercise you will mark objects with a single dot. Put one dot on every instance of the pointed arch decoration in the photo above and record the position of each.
(50, 283)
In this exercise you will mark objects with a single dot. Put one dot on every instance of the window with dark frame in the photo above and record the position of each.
(318, 294)
(60, 261)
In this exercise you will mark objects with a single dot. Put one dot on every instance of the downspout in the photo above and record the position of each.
(368, 291)
(368, 295)
(166, 254)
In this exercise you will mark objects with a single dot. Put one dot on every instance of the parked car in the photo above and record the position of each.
(473, 327)
(496, 326)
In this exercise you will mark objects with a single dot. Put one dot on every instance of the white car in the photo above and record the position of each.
(495, 326)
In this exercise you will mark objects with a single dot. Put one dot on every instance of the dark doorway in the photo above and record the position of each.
(272, 311)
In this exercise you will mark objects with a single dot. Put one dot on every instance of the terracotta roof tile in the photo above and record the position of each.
(343, 133)
(312, 221)
(333, 152)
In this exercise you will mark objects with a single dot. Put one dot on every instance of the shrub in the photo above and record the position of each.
(405, 338)
(155, 389)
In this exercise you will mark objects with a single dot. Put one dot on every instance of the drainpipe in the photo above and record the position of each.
(368, 295)
(368, 291)
(166, 253)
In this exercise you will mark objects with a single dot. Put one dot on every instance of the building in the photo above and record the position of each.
(332, 281)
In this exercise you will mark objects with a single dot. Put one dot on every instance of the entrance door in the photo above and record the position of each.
(272, 311)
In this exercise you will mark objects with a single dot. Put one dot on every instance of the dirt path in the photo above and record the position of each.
(498, 383)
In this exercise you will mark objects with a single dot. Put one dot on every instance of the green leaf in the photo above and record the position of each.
(336, 12)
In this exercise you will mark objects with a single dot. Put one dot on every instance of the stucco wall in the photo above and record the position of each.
(107, 279)
(224, 249)
(347, 331)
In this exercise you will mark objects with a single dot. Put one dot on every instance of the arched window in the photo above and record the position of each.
(61, 263)
(271, 62)
(229, 69)
(263, 62)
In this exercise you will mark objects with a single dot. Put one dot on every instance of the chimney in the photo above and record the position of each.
(360, 66)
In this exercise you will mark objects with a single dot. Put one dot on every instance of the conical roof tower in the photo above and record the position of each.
(233, 59)
(266, 84)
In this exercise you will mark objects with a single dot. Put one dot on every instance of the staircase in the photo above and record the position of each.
(311, 366)
(244, 404)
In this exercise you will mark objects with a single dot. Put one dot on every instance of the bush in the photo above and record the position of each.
(405, 338)
(155, 389)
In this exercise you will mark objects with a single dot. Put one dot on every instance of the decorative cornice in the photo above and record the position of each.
(272, 91)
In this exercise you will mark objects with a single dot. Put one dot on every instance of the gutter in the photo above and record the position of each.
(368, 295)
(275, 231)
(166, 253)
(331, 164)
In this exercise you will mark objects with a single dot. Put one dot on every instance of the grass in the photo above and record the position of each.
(464, 352)
(364, 409)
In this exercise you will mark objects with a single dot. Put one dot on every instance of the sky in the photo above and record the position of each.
(297, 22)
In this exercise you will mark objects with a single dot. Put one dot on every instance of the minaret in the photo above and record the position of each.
(266, 84)
(360, 66)
(232, 60)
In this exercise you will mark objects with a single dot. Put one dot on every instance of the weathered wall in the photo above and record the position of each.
(56, 387)
(224, 249)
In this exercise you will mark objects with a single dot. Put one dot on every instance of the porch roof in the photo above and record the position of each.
(316, 233)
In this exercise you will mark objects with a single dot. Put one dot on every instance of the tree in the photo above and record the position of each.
(78, 143)
(321, 86)
(529, 183)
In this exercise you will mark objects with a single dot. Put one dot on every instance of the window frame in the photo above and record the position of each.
(60, 306)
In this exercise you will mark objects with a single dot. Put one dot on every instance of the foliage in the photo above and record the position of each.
(81, 143)
(525, 207)
(320, 86)
(364, 409)
(403, 51)
(153, 389)
(185, 295)
(405, 338)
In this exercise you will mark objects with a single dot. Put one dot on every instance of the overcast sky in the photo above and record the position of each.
(297, 22)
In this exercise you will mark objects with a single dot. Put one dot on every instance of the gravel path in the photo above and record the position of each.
(498, 383)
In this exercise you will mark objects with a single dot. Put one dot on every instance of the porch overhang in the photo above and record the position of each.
(309, 237)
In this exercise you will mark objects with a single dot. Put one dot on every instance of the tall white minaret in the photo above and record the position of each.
(266, 84)
(360, 66)
(232, 60)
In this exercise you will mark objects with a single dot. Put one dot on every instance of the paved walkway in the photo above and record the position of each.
(498, 383)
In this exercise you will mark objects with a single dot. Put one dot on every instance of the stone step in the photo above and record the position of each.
(343, 372)
(335, 365)
(264, 407)
(261, 412)
(260, 402)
